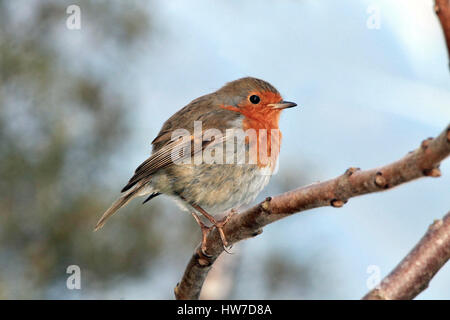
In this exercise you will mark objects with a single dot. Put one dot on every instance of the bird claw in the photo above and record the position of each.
(203, 252)
(225, 248)
(219, 225)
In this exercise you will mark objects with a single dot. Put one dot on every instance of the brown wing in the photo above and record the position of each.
(166, 151)
(162, 158)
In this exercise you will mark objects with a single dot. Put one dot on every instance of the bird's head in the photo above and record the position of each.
(254, 98)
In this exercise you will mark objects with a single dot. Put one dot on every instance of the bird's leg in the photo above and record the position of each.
(205, 231)
(221, 223)
(218, 224)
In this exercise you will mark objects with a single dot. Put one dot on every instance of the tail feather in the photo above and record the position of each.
(119, 203)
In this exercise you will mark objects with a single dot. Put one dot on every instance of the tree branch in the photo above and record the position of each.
(414, 273)
(442, 9)
(335, 192)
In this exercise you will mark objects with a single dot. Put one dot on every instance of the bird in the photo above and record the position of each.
(194, 170)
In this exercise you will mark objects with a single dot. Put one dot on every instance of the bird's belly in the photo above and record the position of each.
(215, 188)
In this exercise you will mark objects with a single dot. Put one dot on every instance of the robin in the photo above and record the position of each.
(192, 167)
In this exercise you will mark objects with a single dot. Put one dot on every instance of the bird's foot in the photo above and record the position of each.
(205, 232)
(219, 226)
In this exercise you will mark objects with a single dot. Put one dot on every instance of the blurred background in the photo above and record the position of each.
(79, 108)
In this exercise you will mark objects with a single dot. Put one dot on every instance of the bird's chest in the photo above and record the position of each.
(263, 141)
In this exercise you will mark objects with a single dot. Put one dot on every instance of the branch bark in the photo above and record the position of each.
(424, 161)
(442, 9)
(414, 273)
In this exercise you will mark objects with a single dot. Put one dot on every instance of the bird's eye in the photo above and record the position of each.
(254, 99)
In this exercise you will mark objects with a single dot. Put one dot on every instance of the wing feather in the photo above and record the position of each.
(167, 156)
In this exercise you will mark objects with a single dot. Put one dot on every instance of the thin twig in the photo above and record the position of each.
(416, 270)
(442, 9)
(335, 192)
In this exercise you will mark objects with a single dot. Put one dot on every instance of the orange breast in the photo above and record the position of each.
(268, 138)
(263, 121)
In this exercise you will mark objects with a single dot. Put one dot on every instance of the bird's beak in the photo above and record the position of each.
(282, 105)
